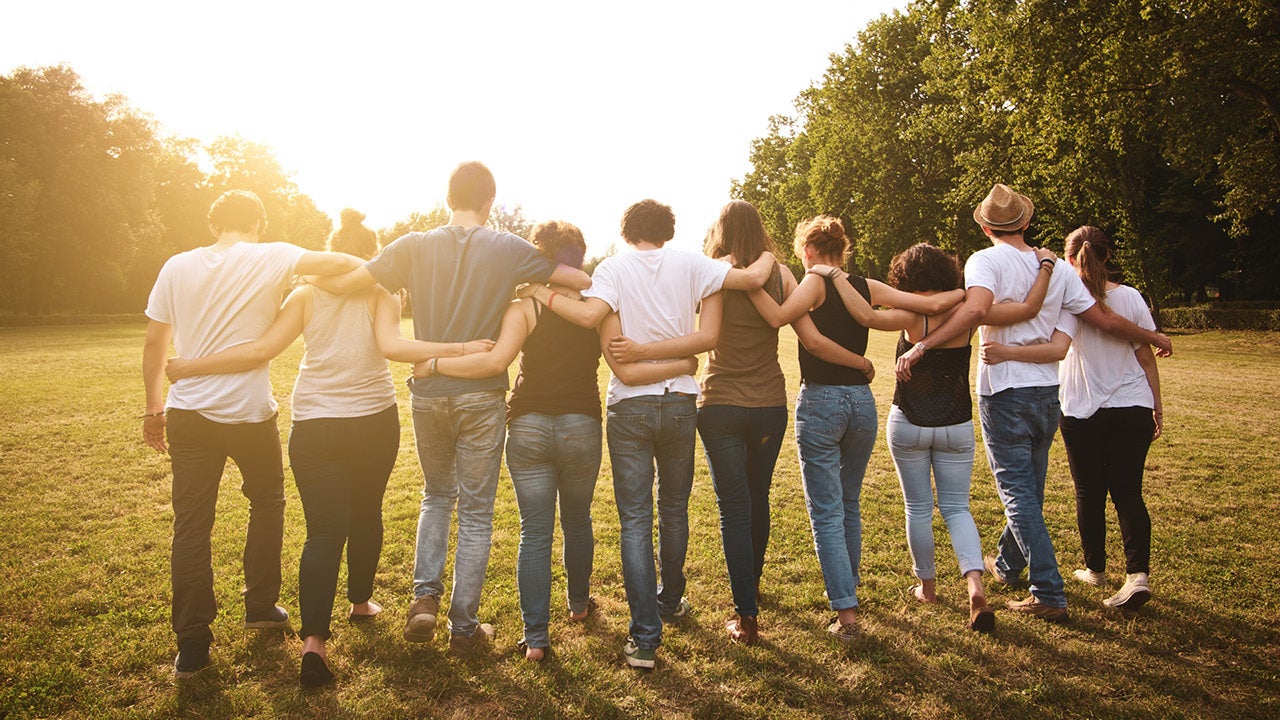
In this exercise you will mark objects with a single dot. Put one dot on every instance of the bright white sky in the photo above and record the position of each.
(579, 108)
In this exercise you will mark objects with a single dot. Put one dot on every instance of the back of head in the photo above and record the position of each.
(648, 221)
(824, 236)
(925, 268)
(738, 232)
(352, 237)
(471, 187)
(237, 211)
(1089, 251)
(560, 242)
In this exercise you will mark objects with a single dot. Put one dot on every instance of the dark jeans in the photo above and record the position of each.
(198, 451)
(1107, 453)
(341, 467)
(742, 447)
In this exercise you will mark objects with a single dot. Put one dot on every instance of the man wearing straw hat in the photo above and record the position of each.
(1018, 401)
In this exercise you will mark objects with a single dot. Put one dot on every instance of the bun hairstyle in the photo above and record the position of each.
(559, 241)
(925, 268)
(1090, 252)
(825, 234)
(352, 237)
(738, 232)
(350, 217)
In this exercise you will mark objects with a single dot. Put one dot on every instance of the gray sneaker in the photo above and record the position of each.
(682, 608)
(478, 641)
(1135, 593)
(274, 617)
(639, 657)
(421, 625)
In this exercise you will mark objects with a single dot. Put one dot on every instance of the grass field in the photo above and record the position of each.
(85, 522)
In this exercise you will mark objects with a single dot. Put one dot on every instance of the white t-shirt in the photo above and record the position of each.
(1009, 274)
(1101, 370)
(216, 301)
(656, 294)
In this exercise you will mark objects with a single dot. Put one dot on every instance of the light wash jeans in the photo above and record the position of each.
(835, 433)
(1018, 425)
(460, 450)
(948, 452)
(742, 445)
(550, 455)
(644, 431)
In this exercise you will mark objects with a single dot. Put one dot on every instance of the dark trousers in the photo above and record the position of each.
(198, 451)
(1107, 453)
(341, 467)
(742, 447)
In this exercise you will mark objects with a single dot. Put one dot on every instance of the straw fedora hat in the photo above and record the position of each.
(1003, 209)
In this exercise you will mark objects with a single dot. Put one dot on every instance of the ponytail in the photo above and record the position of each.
(1090, 253)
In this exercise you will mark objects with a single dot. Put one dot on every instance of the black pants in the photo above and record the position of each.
(1107, 453)
(198, 452)
(341, 467)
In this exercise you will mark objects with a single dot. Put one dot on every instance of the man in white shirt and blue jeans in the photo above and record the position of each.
(1018, 401)
(207, 300)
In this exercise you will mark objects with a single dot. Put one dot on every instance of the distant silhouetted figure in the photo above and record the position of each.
(352, 237)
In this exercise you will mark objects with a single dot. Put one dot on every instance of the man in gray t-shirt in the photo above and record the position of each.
(460, 280)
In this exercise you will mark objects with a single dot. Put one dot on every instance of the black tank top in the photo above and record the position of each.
(833, 320)
(938, 392)
(557, 370)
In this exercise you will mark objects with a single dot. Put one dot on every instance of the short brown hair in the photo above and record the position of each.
(738, 232)
(925, 268)
(237, 211)
(648, 221)
(471, 187)
(825, 234)
(559, 241)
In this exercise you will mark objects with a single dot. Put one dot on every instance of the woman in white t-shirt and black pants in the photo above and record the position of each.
(1111, 412)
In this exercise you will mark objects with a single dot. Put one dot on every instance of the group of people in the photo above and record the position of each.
(648, 312)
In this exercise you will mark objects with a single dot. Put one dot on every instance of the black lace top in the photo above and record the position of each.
(938, 392)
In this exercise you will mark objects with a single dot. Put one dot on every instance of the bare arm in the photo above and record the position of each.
(977, 301)
(394, 346)
(1147, 360)
(517, 323)
(284, 330)
(583, 312)
(797, 304)
(154, 351)
(1008, 313)
(640, 373)
(867, 316)
(1046, 352)
(824, 348)
(1123, 328)
(706, 337)
(752, 277)
(882, 294)
(326, 263)
(348, 282)
(570, 277)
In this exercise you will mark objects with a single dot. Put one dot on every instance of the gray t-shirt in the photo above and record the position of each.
(460, 281)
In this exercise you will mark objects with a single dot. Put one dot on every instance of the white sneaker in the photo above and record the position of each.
(1133, 594)
(1089, 577)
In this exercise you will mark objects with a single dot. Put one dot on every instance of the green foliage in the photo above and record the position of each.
(416, 222)
(1158, 121)
(1205, 317)
(93, 199)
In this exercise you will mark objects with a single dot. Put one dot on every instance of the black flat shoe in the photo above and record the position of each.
(315, 673)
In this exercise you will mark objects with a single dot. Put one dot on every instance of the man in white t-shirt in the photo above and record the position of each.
(1018, 401)
(207, 300)
(655, 292)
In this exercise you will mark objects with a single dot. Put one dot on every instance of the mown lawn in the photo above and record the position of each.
(85, 524)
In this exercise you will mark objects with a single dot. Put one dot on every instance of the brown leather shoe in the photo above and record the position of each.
(479, 640)
(981, 617)
(421, 626)
(1033, 607)
(743, 629)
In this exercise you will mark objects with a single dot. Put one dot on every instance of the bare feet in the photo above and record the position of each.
(535, 654)
(364, 611)
(314, 644)
(925, 591)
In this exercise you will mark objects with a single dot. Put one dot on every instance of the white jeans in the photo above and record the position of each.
(948, 452)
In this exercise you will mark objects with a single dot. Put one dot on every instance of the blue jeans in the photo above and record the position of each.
(644, 431)
(948, 452)
(1018, 425)
(550, 455)
(742, 447)
(835, 433)
(460, 450)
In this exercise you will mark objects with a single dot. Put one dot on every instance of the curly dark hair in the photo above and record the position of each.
(648, 221)
(925, 268)
(560, 241)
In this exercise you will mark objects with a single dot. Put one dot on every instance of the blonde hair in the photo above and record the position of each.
(825, 234)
